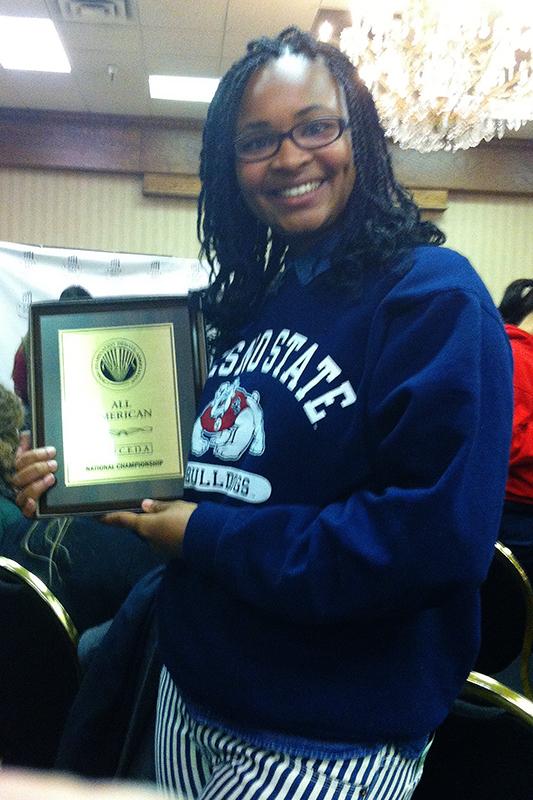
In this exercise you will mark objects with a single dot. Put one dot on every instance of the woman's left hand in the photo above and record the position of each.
(162, 524)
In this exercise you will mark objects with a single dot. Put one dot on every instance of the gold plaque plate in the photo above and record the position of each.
(120, 382)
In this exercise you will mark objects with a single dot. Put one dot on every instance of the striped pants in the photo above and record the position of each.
(198, 761)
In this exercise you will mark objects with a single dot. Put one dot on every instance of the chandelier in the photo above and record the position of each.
(444, 75)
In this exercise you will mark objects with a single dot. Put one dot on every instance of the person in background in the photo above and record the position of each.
(89, 566)
(516, 529)
(75, 292)
(11, 421)
(20, 373)
(319, 612)
(20, 377)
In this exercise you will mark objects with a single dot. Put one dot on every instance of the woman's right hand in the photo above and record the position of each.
(34, 474)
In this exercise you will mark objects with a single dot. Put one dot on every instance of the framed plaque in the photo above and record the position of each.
(115, 383)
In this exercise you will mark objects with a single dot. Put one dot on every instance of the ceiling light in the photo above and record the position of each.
(444, 75)
(175, 87)
(28, 43)
(325, 31)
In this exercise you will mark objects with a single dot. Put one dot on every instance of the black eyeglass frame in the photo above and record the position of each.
(343, 124)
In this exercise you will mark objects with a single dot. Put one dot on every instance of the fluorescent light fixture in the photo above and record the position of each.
(176, 87)
(30, 43)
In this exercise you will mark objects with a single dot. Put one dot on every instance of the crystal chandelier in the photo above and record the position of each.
(444, 75)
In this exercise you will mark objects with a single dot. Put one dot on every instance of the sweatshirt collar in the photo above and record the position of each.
(316, 261)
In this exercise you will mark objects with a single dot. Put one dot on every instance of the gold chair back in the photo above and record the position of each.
(492, 692)
(524, 584)
(40, 588)
(506, 619)
(39, 668)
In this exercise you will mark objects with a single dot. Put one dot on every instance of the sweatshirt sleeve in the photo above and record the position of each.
(437, 398)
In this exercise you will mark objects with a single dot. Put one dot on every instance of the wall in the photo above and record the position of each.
(495, 232)
(102, 211)
(95, 211)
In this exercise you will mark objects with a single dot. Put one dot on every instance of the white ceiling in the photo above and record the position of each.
(174, 37)
(168, 37)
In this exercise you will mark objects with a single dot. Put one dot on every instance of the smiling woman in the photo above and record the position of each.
(303, 183)
(289, 181)
(319, 611)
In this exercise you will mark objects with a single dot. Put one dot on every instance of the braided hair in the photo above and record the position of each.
(517, 301)
(380, 220)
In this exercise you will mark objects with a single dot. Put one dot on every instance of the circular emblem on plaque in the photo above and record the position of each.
(119, 362)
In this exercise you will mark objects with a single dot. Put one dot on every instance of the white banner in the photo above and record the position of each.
(30, 274)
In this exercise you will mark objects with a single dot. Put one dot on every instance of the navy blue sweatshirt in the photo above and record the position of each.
(349, 460)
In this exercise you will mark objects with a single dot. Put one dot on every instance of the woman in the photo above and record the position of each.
(319, 612)
(516, 531)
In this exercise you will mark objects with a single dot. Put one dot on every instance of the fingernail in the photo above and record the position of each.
(52, 464)
(51, 451)
(49, 479)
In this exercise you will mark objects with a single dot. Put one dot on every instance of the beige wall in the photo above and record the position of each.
(94, 211)
(495, 232)
(109, 212)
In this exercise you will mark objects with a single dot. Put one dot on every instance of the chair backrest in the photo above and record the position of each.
(39, 673)
(506, 618)
(481, 689)
(483, 749)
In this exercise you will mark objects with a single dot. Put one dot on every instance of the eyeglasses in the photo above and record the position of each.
(311, 135)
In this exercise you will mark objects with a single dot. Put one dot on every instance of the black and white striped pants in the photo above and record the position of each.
(195, 761)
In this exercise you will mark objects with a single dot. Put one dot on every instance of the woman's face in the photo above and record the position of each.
(299, 193)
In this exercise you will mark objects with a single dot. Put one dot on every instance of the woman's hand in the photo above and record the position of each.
(34, 474)
(163, 524)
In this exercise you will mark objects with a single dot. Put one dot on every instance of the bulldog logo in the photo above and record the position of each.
(231, 424)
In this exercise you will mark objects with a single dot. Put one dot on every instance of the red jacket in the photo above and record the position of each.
(519, 487)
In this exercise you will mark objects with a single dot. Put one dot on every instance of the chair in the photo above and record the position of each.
(506, 619)
(482, 689)
(483, 749)
(39, 672)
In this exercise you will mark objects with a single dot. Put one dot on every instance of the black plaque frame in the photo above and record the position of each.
(46, 319)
